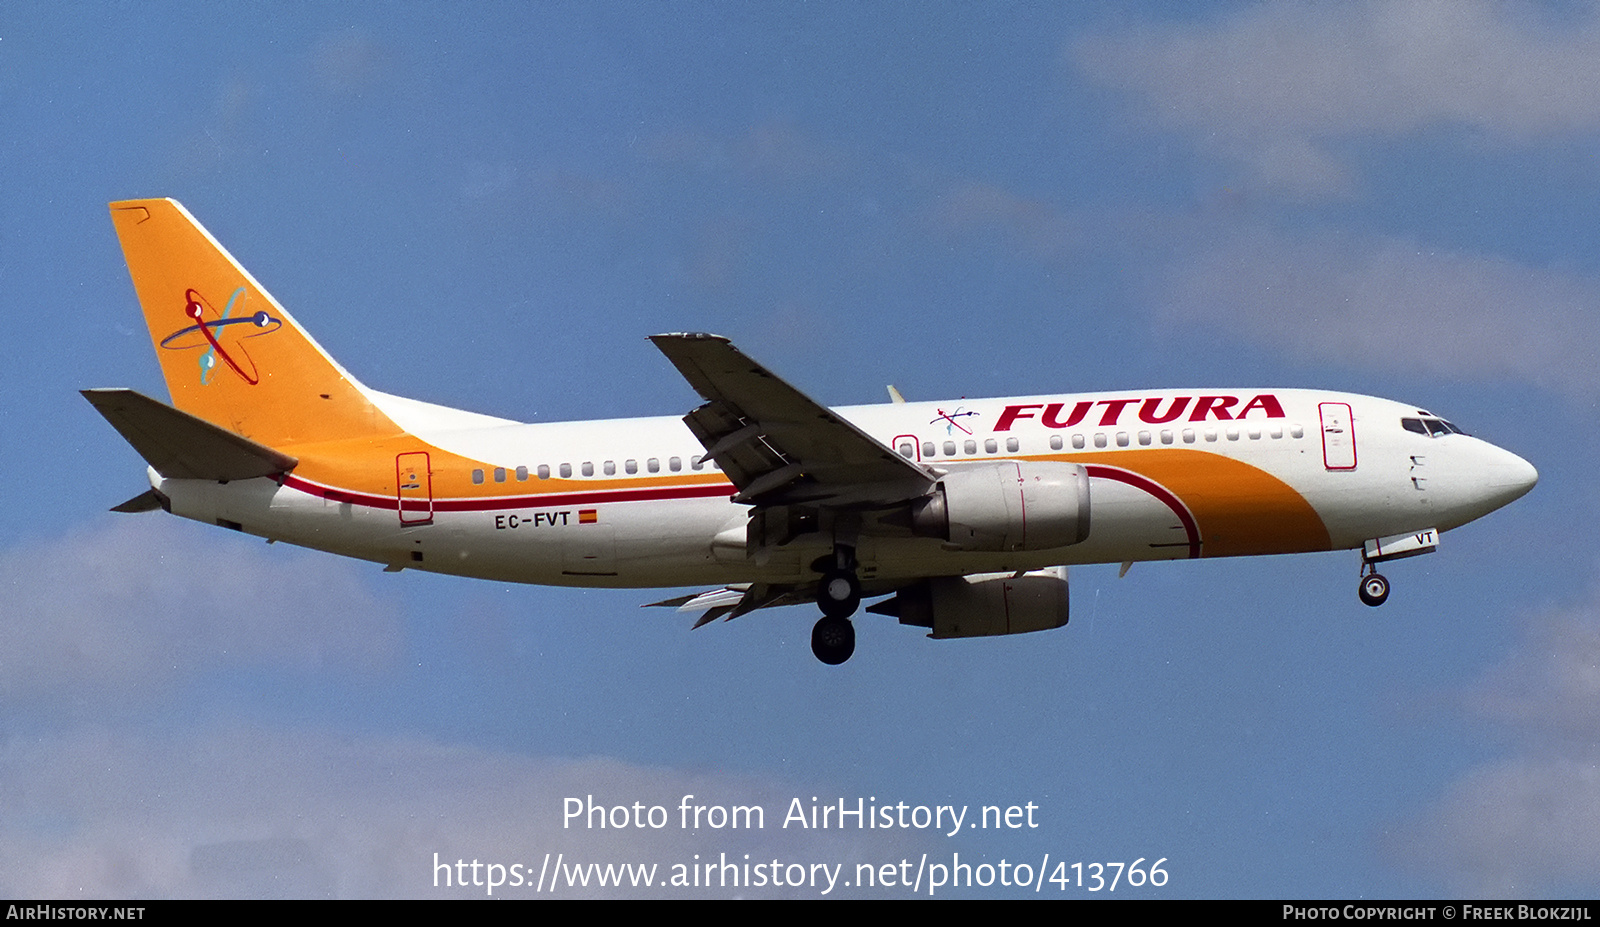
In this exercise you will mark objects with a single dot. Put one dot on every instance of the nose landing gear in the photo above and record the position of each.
(1374, 589)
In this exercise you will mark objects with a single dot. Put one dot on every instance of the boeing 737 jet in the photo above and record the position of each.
(961, 517)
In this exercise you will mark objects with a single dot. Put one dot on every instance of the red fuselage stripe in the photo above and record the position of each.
(542, 500)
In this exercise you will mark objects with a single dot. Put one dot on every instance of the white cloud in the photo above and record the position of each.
(349, 63)
(127, 613)
(1387, 302)
(1529, 824)
(1526, 827)
(251, 812)
(117, 613)
(1035, 226)
(1551, 684)
(1276, 85)
(774, 151)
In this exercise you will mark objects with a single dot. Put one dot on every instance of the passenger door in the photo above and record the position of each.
(414, 488)
(1338, 436)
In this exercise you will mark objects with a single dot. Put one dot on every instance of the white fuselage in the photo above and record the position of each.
(630, 503)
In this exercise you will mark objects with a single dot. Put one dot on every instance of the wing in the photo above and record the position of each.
(777, 445)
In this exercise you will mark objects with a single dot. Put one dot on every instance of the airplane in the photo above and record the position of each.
(961, 517)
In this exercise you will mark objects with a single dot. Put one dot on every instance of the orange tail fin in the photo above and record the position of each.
(230, 354)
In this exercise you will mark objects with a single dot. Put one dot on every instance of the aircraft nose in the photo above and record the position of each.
(1475, 478)
(1525, 475)
(1507, 477)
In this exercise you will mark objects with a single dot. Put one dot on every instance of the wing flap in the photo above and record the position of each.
(732, 601)
(182, 446)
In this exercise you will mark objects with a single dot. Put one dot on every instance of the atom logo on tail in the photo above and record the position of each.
(218, 327)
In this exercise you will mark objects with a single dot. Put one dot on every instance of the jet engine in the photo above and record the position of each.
(983, 604)
(1006, 505)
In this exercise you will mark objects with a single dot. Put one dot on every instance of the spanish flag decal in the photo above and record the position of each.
(588, 516)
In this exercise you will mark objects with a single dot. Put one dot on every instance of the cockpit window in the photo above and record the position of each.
(1430, 426)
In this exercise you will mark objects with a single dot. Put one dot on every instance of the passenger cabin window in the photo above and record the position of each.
(477, 477)
(544, 471)
(499, 474)
(566, 471)
(522, 474)
(588, 468)
(906, 449)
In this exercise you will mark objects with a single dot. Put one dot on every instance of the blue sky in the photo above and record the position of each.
(490, 207)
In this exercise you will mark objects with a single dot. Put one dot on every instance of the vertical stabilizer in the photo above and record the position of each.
(230, 354)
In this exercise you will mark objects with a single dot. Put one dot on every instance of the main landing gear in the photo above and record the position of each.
(833, 639)
(1374, 587)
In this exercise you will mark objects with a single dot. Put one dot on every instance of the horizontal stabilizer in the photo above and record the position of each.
(179, 445)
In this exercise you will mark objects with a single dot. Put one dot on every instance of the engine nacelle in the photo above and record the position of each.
(1007, 505)
(983, 604)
